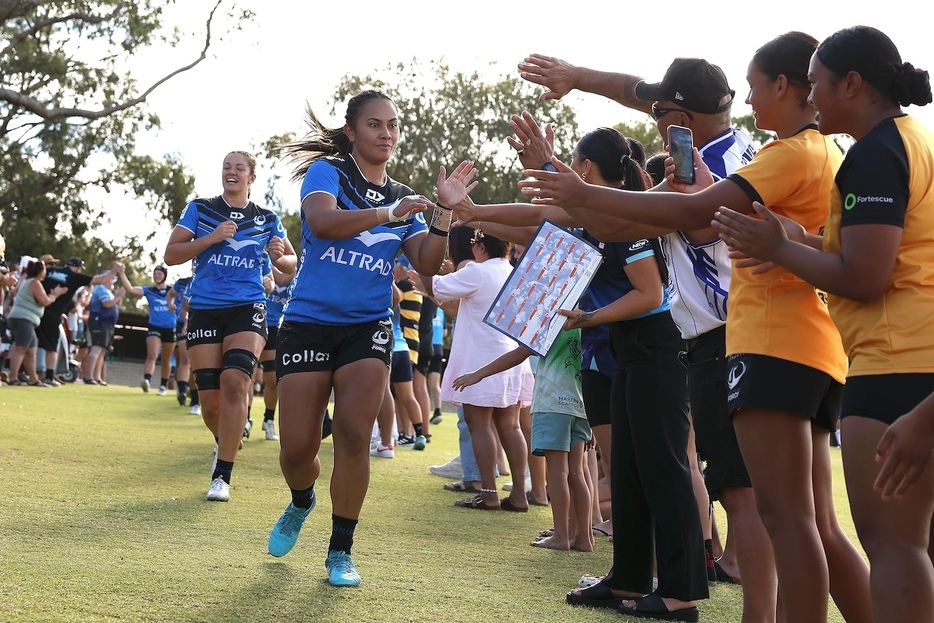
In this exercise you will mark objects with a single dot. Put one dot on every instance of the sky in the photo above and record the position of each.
(257, 80)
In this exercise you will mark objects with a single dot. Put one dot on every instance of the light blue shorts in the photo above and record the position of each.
(557, 431)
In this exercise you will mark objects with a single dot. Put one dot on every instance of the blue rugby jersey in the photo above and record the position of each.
(229, 272)
(340, 282)
(159, 314)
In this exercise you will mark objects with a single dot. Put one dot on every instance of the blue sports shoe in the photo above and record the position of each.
(341, 570)
(285, 532)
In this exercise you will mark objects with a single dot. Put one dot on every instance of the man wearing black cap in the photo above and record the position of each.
(70, 276)
(695, 94)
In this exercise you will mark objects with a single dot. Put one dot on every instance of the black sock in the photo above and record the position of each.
(194, 397)
(342, 530)
(418, 429)
(223, 470)
(182, 388)
(49, 374)
(163, 382)
(269, 415)
(303, 498)
(437, 411)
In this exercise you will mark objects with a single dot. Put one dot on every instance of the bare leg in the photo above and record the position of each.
(557, 463)
(754, 558)
(506, 421)
(580, 515)
(537, 464)
(354, 414)
(777, 448)
(483, 439)
(895, 533)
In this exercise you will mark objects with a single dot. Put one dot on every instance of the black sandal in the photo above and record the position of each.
(476, 502)
(652, 606)
(597, 596)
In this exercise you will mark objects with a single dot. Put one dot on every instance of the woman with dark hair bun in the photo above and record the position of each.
(875, 261)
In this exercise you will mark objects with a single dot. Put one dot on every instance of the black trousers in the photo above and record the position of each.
(654, 507)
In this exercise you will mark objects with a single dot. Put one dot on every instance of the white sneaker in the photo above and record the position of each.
(270, 427)
(195, 410)
(145, 385)
(219, 491)
(383, 452)
(162, 391)
(451, 469)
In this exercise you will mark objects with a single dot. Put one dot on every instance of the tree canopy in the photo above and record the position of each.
(70, 112)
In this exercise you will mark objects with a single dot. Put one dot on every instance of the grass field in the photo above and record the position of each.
(103, 518)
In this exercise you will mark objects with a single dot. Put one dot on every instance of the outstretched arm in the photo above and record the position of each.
(500, 364)
(560, 78)
(672, 211)
(129, 287)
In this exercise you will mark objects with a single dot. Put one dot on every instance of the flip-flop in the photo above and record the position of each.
(653, 607)
(598, 595)
(600, 532)
(507, 505)
(461, 487)
(476, 502)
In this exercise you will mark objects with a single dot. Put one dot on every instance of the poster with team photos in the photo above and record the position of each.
(552, 274)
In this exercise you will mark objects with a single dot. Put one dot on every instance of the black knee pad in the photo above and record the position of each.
(208, 378)
(269, 365)
(239, 359)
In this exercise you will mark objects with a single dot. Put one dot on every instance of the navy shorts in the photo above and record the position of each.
(211, 326)
(401, 369)
(885, 397)
(166, 335)
(307, 347)
(763, 382)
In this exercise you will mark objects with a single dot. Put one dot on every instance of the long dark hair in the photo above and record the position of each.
(324, 141)
(616, 157)
(871, 54)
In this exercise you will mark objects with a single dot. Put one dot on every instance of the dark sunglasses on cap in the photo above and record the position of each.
(658, 112)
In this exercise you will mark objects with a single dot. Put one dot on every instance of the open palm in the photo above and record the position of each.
(453, 189)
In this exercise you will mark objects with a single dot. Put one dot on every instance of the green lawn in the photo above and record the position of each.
(103, 518)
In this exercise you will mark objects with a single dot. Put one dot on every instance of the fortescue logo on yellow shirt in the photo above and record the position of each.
(851, 200)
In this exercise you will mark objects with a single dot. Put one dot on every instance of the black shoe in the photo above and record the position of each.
(436, 418)
(406, 440)
(181, 399)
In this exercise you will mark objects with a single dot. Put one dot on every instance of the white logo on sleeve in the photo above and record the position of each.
(736, 373)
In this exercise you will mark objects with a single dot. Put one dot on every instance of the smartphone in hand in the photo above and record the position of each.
(681, 148)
